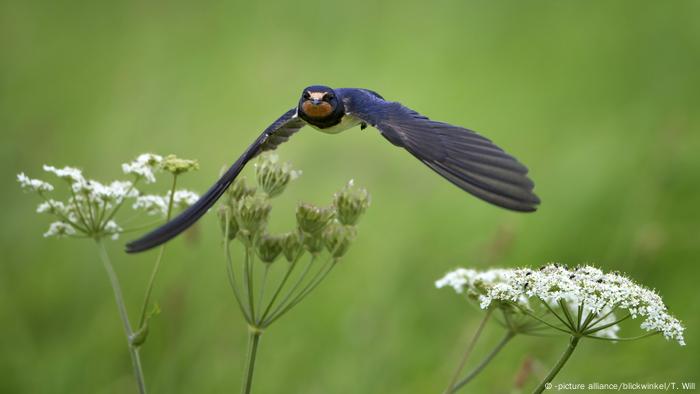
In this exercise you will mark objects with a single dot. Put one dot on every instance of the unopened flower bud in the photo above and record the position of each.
(251, 214)
(312, 219)
(238, 190)
(291, 245)
(350, 204)
(176, 165)
(269, 247)
(337, 238)
(227, 221)
(272, 176)
(313, 243)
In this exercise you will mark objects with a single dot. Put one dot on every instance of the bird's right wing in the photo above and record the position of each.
(463, 157)
(274, 135)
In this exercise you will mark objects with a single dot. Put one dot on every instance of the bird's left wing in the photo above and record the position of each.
(274, 135)
(463, 157)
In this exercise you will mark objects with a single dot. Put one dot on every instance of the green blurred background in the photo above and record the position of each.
(600, 99)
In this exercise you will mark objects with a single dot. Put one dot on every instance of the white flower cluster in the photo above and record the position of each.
(476, 284)
(92, 205)
(59, 229)
(158, 205)
(34, 185)
(144, 166)
(598, 292)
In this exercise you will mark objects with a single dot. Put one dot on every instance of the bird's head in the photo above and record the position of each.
(318, 102)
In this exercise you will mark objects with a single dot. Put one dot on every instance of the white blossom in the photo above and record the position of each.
(34, 185)
(144, 166)
(183, 198)
(152, 204)
(70, 174)
(476, 284)
(113, 229)
(59, 229)
(52, 207)
(158, 205)
(598, 292)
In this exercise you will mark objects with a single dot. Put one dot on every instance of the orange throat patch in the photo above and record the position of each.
(316, 111)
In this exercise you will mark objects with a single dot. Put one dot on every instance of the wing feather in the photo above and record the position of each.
(277, 133)
(468, 160)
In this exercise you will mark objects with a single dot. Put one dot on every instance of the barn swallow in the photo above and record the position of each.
(463, 157)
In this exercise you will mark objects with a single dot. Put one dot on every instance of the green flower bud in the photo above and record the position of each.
(269, 247)
(313, 243)
(176, 165)
(272, 176)
(238, 190)
(291, 245)
(338, 237)
(350, 204)
(312, 219)
(251, 214)
(226, 219)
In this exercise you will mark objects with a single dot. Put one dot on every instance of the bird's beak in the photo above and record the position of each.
(315, 101)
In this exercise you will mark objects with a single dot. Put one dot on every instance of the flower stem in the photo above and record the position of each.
(133, 350)
(156, 266)
(470, 347)
(562, 360)
(471, 375)
(253, 339)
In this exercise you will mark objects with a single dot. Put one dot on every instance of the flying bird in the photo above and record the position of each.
(463, 157)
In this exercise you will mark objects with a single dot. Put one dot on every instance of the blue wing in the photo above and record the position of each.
(275, 134)
(468, 160)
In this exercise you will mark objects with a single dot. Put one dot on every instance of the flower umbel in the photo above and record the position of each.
(244, 214)
(89, 212)
(597, 293)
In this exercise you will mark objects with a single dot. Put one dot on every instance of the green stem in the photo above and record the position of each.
(624, 339)
(562, 360)
(156, 266)
(232, 277)
(133, 350)
(471, 375)
(555, 314)
(565, 308)
(248, 280)
(296, 285)
(470, 347)
(313, 283)
(593, 330)
(290, 268)
(253, 339)
(532, 315)
(261, 295)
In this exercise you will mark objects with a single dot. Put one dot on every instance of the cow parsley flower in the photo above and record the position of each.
(595, 292)
(70, 174)
(59, 229)
(158, 205)
(92, 205)
(152, 204)
(183, 198)
(144, 166)
(34, 185)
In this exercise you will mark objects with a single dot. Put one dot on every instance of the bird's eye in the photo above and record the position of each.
(306, 96)
(329, 96)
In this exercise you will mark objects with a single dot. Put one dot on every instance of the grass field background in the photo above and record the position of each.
(599, 99)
